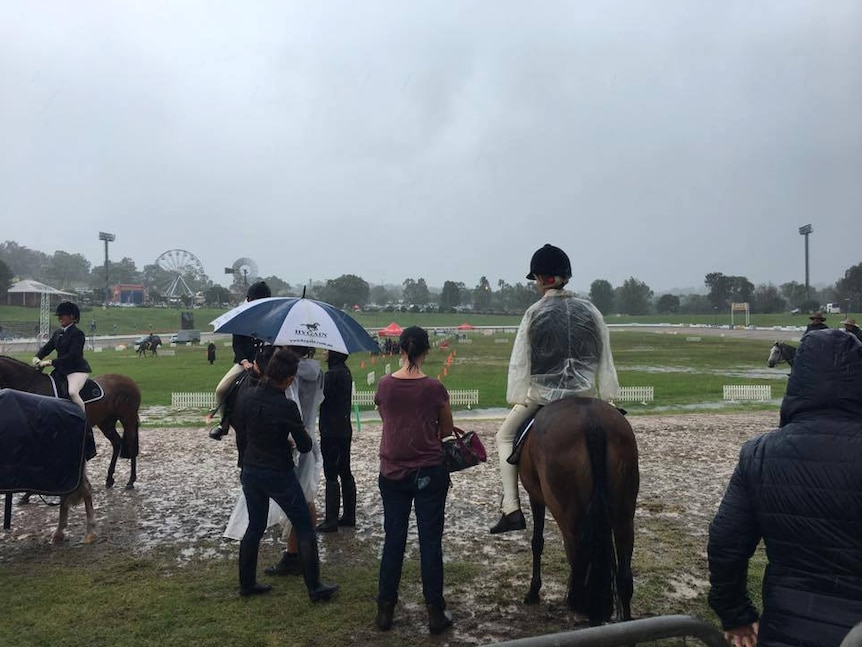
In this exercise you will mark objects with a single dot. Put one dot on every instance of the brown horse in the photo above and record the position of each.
(580, 460)
(120, 403)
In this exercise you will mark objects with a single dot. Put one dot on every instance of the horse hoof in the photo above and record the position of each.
(90, 538)
(531, 598)
(130, 486)
(58, 538)
(109, 483)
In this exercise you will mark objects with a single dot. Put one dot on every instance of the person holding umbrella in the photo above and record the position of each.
(245, 348)
(268, 473)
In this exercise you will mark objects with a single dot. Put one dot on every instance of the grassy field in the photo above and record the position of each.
(684, 373)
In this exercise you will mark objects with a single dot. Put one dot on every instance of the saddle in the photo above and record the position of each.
(90, 392)
(521, 436)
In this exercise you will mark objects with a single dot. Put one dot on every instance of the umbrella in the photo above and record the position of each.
(465, 326)
(293, 321)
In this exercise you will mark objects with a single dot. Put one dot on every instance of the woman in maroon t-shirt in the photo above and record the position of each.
(416, 416)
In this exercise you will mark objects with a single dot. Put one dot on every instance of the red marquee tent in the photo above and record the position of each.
(465, 326)
(392, 330)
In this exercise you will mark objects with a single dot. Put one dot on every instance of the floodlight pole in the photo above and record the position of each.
(805, 230)
(107, 238)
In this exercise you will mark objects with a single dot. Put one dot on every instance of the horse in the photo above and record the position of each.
(152, 345)
(45, 446)
(781, 352)
(580, 460)
(120, 403)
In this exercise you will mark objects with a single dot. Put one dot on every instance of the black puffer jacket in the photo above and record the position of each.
(799, 489)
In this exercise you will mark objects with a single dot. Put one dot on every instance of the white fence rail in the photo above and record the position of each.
(456, 398)
(738, 392)
(642, 394)
(192, 400)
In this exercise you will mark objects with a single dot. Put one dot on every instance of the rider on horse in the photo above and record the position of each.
(562, 349)
(245, 349)
(68, 341)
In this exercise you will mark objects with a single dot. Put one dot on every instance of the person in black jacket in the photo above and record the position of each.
(271, 420)
(818, 322)
(245, 349)
(336, 434)
(69, 342)
(799, 489)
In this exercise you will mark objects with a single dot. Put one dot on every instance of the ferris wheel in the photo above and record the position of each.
(179, 266)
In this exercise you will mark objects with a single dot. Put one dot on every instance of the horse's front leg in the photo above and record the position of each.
(60, 533)
(109, 429)
(90, 536)
(134, 475)
(538, 544)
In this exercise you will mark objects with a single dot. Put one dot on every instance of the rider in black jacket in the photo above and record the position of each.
(799, 490)
(68, 341)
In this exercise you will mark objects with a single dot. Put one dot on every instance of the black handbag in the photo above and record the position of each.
(463, 450)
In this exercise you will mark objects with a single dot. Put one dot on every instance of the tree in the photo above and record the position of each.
(380, 295)
(482, 295)
(66, 270)
(849, 288)
(215, 295)
(741, 289)
(602, 296)
(667, 304)
(767, 299)
(345, 291)
(634, 297)
(793, 292)
(415, 292)
(450, 296)
(24, 262)
(5, 277)
(719, 290)
(279, 287)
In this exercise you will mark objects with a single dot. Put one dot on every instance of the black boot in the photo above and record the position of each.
(385, 613)
(317, 590)
(348, 500)
(289, 564)
(512, 521)
(248, 570)
(439, 620)
(219, 430)
(333, 500)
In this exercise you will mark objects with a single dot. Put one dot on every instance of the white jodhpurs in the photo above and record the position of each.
(228, 379)
(76, 383)
(508, 472)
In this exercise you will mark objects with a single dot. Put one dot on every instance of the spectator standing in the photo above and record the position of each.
(799, 490)
(818, 322)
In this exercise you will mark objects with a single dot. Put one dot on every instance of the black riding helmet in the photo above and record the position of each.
(259, 290)
(68, 308)
(550, 261)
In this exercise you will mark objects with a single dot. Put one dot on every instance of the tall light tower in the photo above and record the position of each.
(108, 238)
(805, 230)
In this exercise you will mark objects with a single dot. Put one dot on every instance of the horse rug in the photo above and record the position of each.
(43, 443)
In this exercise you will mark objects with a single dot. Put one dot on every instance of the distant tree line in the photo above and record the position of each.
(74, 273)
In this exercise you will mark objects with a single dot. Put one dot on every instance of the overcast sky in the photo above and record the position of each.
(441, 140)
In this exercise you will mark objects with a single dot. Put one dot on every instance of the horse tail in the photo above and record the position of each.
(128, 402)
(596, 535)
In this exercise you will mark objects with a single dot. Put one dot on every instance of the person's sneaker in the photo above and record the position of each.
(508, 522)
(217, 432)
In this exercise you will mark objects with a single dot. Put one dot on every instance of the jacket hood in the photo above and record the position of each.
(826, 374)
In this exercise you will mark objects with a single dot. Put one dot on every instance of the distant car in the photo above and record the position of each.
(186, 337)
(796, 311)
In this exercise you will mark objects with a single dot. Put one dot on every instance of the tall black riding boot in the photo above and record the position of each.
(439, 620)
(333, 500)
(311, 572)
(348, 500)
(248, 570)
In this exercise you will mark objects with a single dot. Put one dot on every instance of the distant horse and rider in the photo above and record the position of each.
(781, 352)
(109, 399)
(580, 461)
(149, 345)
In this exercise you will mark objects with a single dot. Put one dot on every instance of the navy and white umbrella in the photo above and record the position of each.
(294, 321)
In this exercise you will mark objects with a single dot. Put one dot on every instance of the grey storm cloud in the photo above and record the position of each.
(445, 141)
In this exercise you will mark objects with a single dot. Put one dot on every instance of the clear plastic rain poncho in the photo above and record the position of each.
(562, 349)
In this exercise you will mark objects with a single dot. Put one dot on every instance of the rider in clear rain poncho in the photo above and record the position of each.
(562, 348)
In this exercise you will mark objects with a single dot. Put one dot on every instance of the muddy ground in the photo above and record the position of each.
(187, 486)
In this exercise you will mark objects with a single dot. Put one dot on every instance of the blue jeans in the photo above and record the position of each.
(426, 489)
(260, 484)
